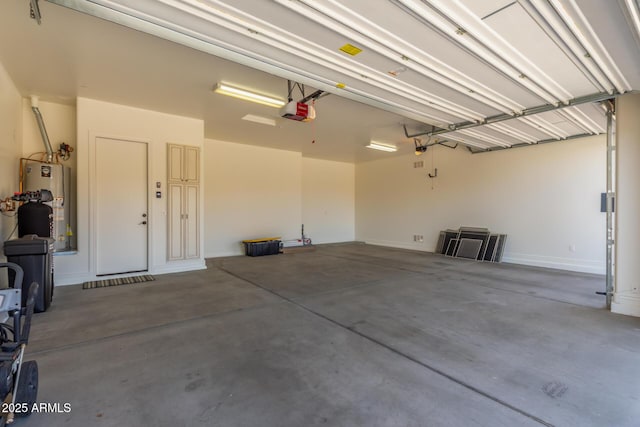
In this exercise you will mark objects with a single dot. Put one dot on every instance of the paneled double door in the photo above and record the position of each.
(183, 221)
(184, 202)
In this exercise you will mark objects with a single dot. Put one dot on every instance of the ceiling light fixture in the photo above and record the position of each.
(225, 89)
(259, 119)
(382, 147)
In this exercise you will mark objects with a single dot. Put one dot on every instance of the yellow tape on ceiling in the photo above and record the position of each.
(350, 49)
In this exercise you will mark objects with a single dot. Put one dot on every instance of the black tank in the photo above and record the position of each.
(35, 218)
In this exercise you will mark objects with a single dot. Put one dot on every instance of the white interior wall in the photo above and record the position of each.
(251, 192)
(97, 118)
(254, 192)
(545, 198)
(328, 200)
(10, 147)
(546, 202)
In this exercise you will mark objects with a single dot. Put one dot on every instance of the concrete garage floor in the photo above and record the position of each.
(349, 335)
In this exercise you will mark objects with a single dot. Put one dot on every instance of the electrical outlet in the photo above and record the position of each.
(419, 164)
(418, 238)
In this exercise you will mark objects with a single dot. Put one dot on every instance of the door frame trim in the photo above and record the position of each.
(93, 198)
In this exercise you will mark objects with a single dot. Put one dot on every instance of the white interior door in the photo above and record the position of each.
(121, 206)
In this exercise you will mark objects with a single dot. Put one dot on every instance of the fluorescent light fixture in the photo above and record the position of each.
(225, 89)
(382, 147)
(259, 119)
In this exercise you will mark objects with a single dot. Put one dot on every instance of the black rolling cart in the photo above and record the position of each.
(18, 378)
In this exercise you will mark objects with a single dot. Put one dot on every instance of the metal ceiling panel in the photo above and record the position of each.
(487, 7)
(436, 61)
(533, 128)
(526, 131)
(424, 46)
(529, 39)
(618, 38)
(596, 113)
(561, 123)
(401, 50)
(451, 56)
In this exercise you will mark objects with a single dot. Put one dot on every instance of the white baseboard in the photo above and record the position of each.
(626, 303)
(569, 264)
(179, 267)
(66, 279)
(222, 254)
(414, 246)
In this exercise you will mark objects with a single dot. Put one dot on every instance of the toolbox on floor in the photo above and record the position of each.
(260, 247)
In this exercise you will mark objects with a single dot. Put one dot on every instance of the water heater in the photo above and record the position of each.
(57, 179)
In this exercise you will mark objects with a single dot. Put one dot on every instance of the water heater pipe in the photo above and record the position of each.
(43, 130)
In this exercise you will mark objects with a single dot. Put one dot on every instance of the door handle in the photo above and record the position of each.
(143, 223)
(144, 215)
